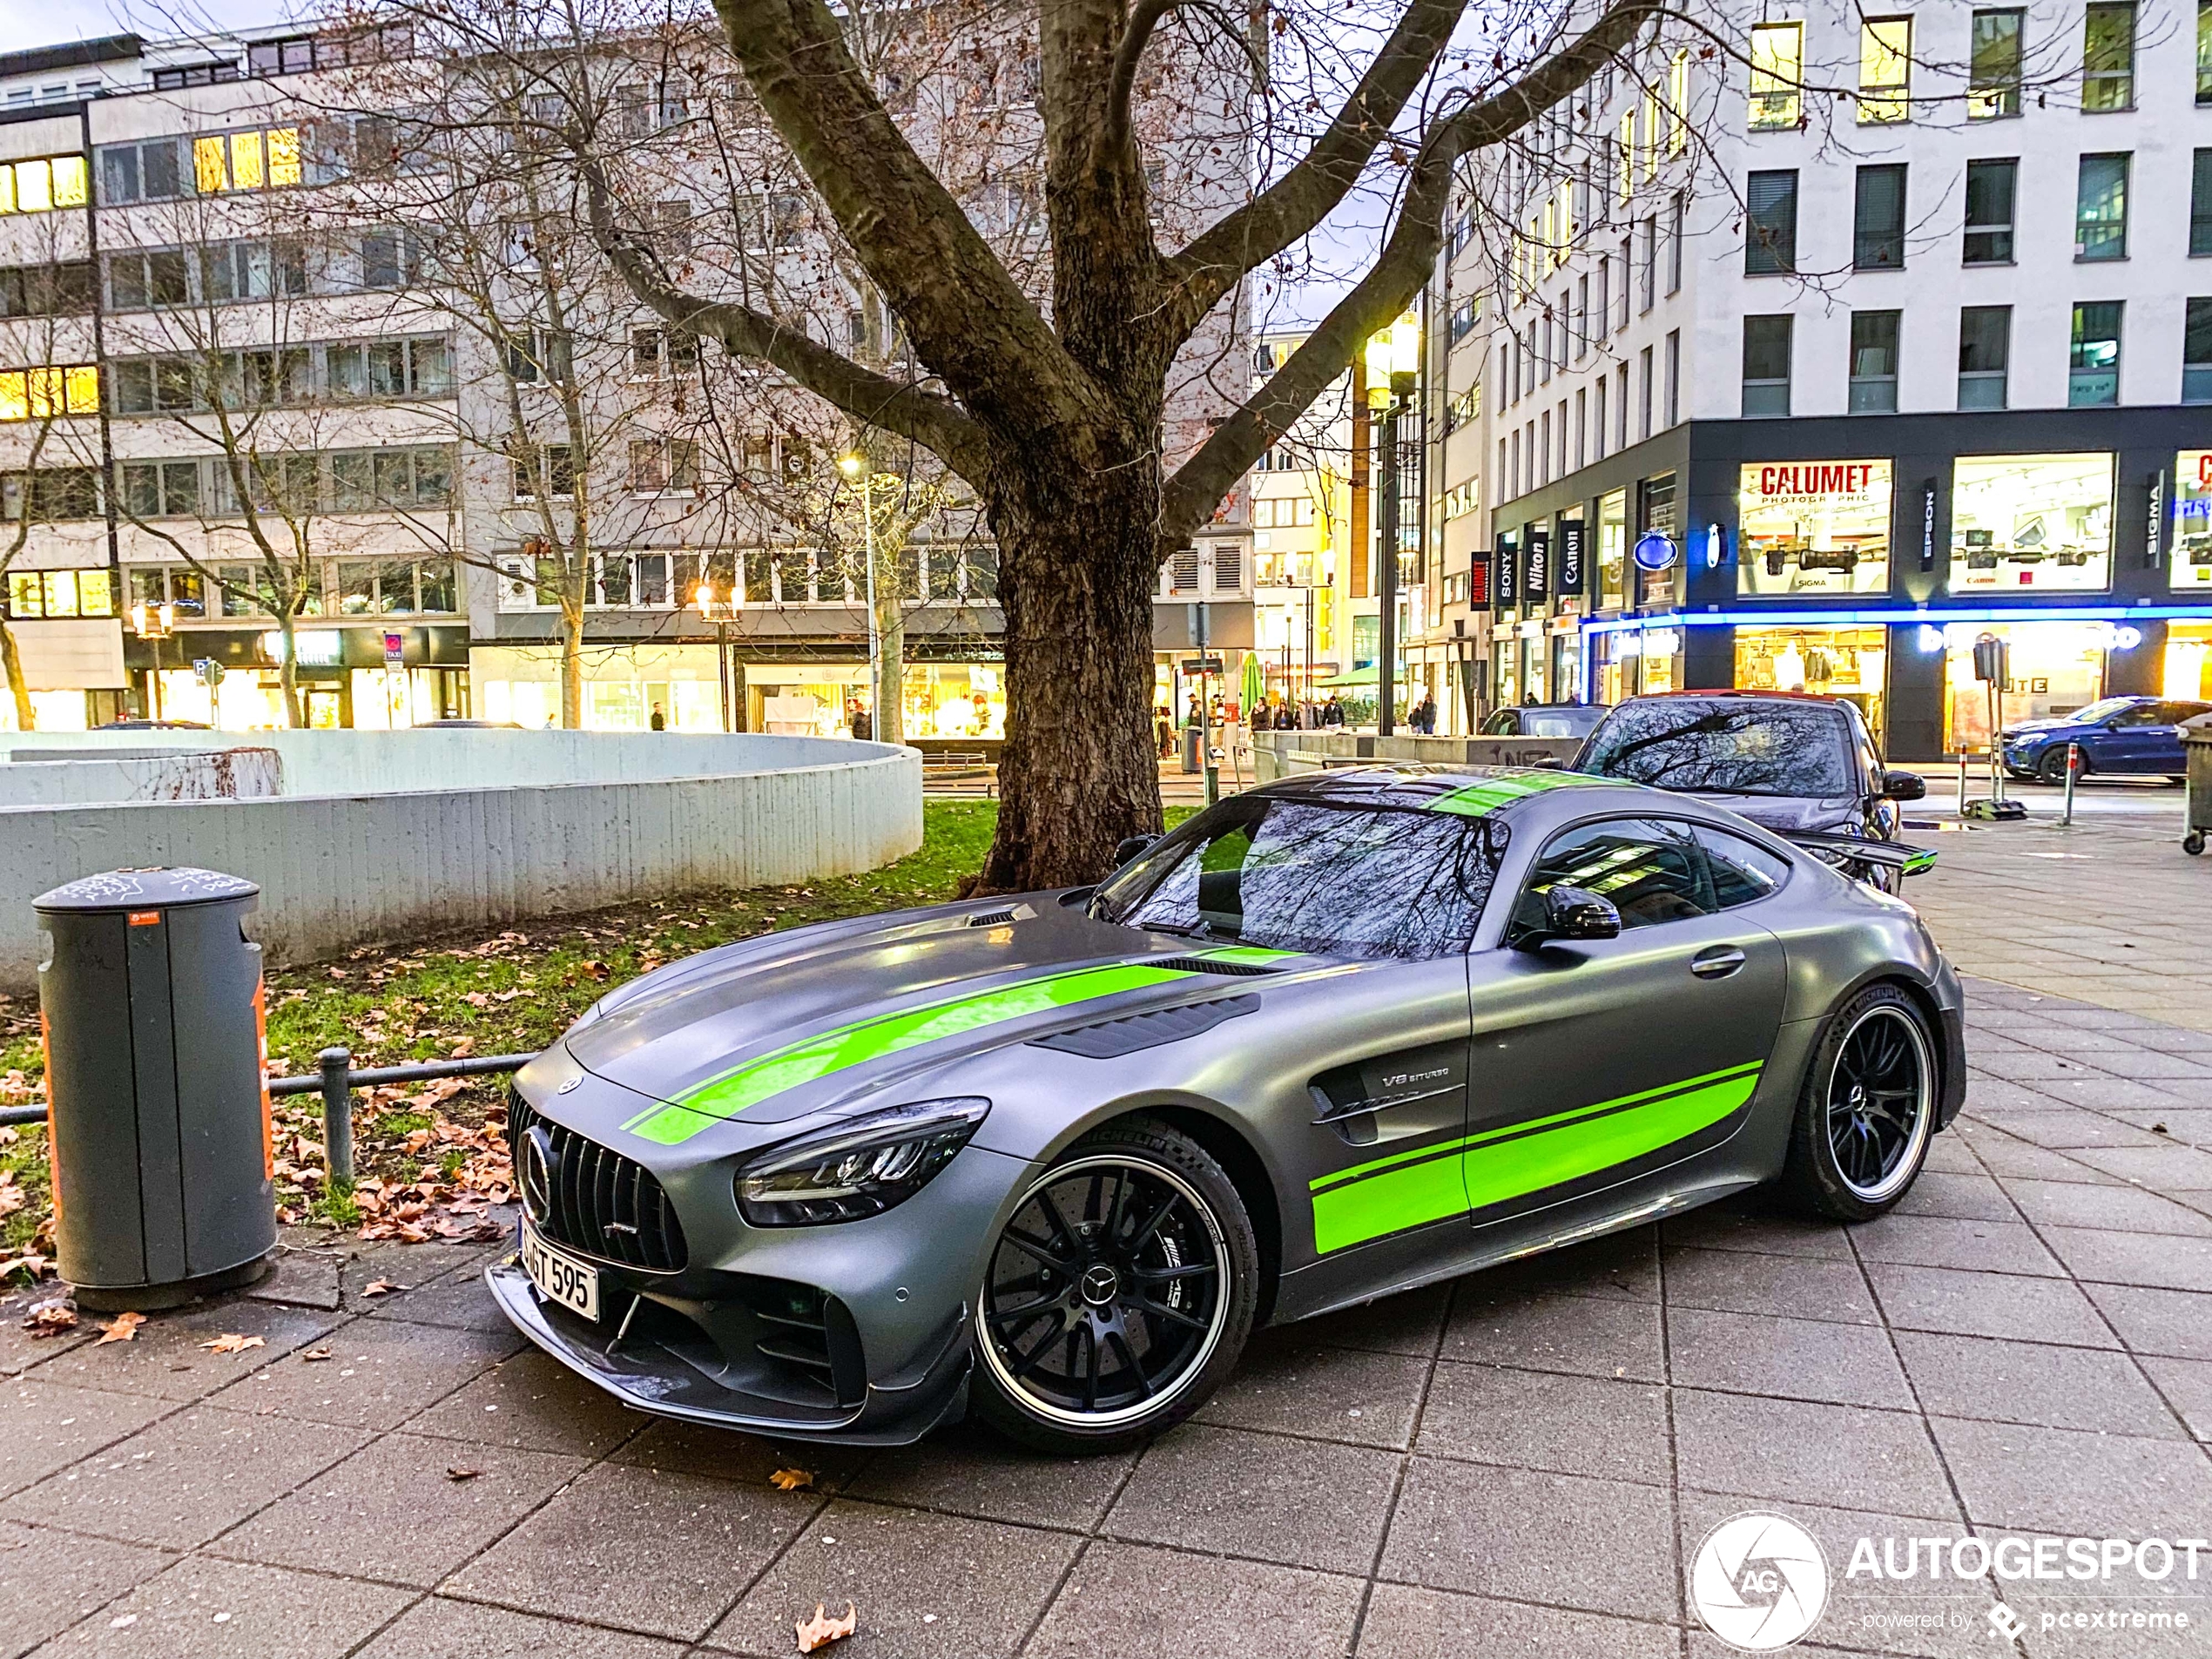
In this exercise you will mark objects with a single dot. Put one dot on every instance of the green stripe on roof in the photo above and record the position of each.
(856, 1044)
(1491, 793)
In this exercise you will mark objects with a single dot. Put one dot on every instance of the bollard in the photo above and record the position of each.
(2073, 769)
(1962, 784)
(336, 1066)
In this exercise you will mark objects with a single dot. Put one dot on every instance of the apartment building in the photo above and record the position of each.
(1803, 372)
(240, 399)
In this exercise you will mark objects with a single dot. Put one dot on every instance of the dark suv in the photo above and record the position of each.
(1803, 766)
(2136, 736)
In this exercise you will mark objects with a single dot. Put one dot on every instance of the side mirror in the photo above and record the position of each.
(1903, 786)
(1135, 846)
(1572, 912)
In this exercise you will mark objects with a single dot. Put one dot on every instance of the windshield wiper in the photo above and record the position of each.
(1196, 930)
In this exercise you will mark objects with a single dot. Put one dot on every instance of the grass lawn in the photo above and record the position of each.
(419, 1153)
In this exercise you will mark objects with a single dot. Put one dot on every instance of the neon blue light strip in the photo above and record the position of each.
(1900, 618)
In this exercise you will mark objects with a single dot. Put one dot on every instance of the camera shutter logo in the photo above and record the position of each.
(1759, 1582)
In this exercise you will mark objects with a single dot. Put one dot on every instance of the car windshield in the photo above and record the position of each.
(2103, 709)
(1558, 723)
(1703, 746)
(1304, 875)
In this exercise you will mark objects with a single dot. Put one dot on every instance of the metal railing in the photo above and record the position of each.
(335, 1079)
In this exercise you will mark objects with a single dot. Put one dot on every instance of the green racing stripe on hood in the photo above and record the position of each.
(1494, 793)
(846, 1046)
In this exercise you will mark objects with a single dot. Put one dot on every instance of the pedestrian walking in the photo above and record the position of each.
(659, 721)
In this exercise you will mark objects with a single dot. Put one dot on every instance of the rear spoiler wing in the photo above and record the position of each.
(1896, 855)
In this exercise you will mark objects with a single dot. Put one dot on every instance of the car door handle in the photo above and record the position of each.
(1717, 963)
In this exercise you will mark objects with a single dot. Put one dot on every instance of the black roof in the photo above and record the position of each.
(105, 48)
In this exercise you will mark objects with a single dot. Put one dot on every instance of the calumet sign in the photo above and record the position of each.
(1818, 479)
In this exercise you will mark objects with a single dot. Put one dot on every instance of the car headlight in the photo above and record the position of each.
(861, 1167)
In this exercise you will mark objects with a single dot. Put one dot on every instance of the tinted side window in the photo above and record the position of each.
(1743, 873)
(1653, 871)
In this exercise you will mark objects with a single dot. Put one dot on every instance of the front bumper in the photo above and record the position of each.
(661, 1367)
(1954, 1067)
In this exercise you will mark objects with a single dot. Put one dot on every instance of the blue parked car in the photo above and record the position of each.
(2135, 736)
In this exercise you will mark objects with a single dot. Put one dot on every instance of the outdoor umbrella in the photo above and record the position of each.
(1255, 685)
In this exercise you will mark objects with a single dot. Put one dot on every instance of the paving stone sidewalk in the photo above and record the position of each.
(1517, 1463)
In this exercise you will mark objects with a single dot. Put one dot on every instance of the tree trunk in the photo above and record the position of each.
(1078, 562)
(287, 672)
(19, 689)
(572, 667)
(887, 716)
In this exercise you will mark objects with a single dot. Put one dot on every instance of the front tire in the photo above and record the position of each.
(2052, 767)
(1118, 1296)
(1866, 1111)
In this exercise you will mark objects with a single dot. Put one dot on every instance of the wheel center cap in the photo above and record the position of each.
(1859, 1098)
(1100, 1282)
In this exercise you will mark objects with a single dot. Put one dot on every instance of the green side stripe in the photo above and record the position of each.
(1487, 796)
(1506, 1132)
(856, 1044)
(1431, 1184)
(1254, 955)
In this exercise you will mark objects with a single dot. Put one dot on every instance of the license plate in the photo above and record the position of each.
(562, 1278)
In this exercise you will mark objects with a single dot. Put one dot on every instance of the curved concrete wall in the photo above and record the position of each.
(466, 829)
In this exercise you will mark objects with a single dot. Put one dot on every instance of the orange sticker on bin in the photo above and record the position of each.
(145, 918)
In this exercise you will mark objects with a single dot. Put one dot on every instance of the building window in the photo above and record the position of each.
(1766, 366)
(2101, 209)
(659, 466)
(1878, 221)
(1884, 72)
(1650, 263)
(41, 394)
(1873, 362)
(1778, 72)
(2204, 51)
(61, 290)
(1813, 527)
(260, 158)
(2021, 523)
(42, 186)
(2109, 58)
(2093, 380)
(1993, 68)
(547, 469)
(51, 495)
(1644, 392)
(1678, 102)
(175, 80)
(1674, 245)
(2201, 205)
(1985, 355)
(1770, 244)
(1463, 316)
(54, 593)
(658, 352)
(1990, 187)
(1674, 376)
(1598, 427)
(2197, 353)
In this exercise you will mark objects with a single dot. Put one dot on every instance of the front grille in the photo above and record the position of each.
(810, 1332)
(590, 1198)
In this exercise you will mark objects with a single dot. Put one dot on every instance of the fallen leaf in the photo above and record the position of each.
(819, 1632)
(313, 1354)
(790, 1480)
(463, 1049)
(592, 967)
(232, 1342)
(380, 1287)
(455, 1472)
(51, 1318)
(122, 1328)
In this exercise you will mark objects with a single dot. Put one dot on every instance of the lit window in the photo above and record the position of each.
(1884, 72)
(1678, 102)
(1777, 69)
(250, 160)
(39, 394)
(1628, 152)
(246, 169)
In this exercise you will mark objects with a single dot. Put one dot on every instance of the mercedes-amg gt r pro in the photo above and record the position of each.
(1053, 1158)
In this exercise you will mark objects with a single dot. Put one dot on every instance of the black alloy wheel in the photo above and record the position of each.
(1867, 1109)
(2052, 767)
(1118, 1295)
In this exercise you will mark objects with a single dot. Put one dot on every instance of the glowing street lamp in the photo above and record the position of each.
(856, 465)
(1394, 360)
(719, 609)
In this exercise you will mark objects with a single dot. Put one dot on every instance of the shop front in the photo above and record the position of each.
(366, 678)
(1850, 662)
(1813, 527)
(2031, 524)
(2190, 561)
(2054, 668)
(1634, 662)
(2187, 671)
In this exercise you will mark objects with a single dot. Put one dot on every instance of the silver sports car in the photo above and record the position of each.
(1052, 1158)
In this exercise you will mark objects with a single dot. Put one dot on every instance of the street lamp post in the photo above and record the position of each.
(719, 609)
(855, 465)
(154, 624)
(1394, 360)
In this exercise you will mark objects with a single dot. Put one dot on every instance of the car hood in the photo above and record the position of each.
(2028, 728)
(1783, 813)
(825, 1018)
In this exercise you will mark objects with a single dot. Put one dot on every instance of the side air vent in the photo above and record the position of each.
(1208, 965)
(1111, 1039)
(990, 919)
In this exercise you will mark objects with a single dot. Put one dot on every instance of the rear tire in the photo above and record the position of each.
(1119, 1295)
(1866, 1111)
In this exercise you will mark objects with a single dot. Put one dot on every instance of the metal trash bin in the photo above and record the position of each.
(151, 996)
(2197, 743)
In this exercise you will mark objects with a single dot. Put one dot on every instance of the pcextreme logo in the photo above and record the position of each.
(1759, 1582)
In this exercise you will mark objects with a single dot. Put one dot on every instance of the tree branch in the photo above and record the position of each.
(1188, 498)
(874, 400)
(1136, 36)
